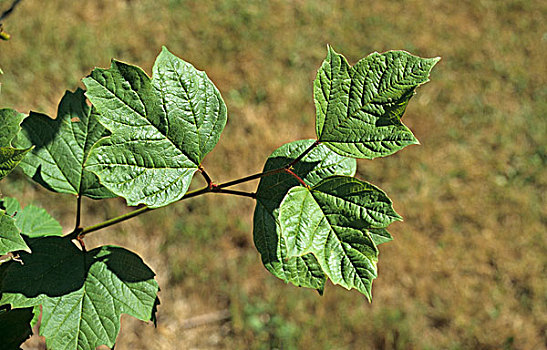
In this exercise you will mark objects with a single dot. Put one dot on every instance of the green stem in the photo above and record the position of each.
(115, 220)
(145, 209)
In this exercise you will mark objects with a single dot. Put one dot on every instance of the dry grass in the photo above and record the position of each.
(467, 267)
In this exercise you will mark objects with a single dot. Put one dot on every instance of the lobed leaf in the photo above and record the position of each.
(359, 108)
(10, 205)
(331, 220)
(32, 221)
(10, 235)
(194, 108)
(10, 158)
(320, 163)
(9, 127)
(379, 235)
(10, 121)
(61, 147)
(162, 128)
(82, 294)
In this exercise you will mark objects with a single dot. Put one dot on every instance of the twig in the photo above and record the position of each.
(206, 176)
(210, 188)
(205, 319)
(78, 211)
(9, 10)
(235, 192)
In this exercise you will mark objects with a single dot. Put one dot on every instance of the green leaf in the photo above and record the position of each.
(318, 164)
(359, 108)
(192, 104)
(9, 159)
(16, 326)
(10, 235)
(162, 128)
(10, 205)
(32, 221)
(301, 271)
(62, 146)
(9, 127)
(380, 235)
(10, 121)
(36, 222)
(330, 220)
(82, 294)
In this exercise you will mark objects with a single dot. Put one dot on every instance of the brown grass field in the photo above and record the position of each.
(467, 267)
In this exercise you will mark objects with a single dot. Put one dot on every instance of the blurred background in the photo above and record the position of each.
(467, 267)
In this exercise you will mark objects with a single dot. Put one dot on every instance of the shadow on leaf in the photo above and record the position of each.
(57, 267)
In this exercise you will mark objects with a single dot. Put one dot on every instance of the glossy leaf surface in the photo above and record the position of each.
(61, 147)
(162, 128)
(10, 157)
(10, 235)
(31, 220)
(330, 220)
(359, 108)
(318, 164)
(82, 294)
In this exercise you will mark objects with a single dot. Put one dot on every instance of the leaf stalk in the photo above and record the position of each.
(211, 187)
(78, 211)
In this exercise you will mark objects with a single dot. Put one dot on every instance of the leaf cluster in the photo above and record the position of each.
(144, 139)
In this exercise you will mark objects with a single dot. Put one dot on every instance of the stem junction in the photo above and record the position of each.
(78, 233)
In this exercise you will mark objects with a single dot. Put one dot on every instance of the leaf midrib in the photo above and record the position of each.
(143, 117)
(340, 243)
(342, 120)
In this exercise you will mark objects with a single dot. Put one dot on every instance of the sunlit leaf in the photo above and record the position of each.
(82, 294)
(162, 128)
(359, 108)
(380, 235)
(61, 147)
(10, 122)
(10, 235)
(10, 157)
(330, 220)
(318, 164)
(32, 221)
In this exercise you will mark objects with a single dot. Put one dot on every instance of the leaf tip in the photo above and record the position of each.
(369, 297)
(396, 216)
(165, 50)
(432, 62)
(331, 53)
